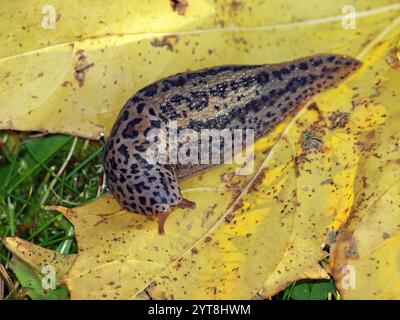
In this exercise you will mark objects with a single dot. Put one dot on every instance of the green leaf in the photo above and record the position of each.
(34, 265)
(321, 289)
(32, 282)
(301, 291)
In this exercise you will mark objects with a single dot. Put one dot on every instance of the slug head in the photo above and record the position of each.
(146, 189)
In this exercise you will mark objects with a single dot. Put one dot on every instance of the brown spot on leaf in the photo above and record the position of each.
(352, 251)
(339, 120)
(166, 41)
(367, 142)
(393, 59)
(313, 106)
(236, 5)
(257, 180)
(179, 6)
(81, 66)
(327, 181)
(358, 100)
(207, 216)
(238, 205)
(228, 219)
(386, 235)
(298, 162)
(66, 84)
(365, 184)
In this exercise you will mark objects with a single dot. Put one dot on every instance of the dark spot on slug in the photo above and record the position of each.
(317, 62)
(123, 149)
(156, 123)
(140, 107)
(303, 66)
(262, 78)
(150, 90)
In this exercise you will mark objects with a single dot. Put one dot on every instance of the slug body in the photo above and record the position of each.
(254, 97)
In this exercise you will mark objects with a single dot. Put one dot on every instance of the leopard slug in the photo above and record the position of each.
(254, 97)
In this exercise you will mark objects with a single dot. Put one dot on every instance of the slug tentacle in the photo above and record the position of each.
(254, 97)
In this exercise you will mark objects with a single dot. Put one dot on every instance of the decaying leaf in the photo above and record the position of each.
(34, 265)
(76, 77)
(365, 259)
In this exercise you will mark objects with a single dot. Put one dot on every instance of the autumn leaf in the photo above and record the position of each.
(365, 258)
(31, 264)
(75, 78)
(250, 236)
